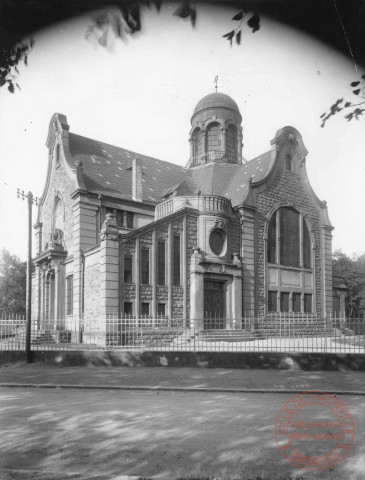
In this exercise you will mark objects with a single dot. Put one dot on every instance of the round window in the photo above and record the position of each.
(216, 242)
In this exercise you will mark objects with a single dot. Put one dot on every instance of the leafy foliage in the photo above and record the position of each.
(352, 270)
(253, 22)
(10, 57)
(12, 284)
(354, 109)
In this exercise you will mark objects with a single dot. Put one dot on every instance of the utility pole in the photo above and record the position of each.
(28, 319)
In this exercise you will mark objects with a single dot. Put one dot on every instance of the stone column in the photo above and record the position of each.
(154, 273)
(109, 267)
(237, 293)
(184, 269)
(326, 259)
(137, 278)
(169, 270)
(248, 260)
(196, 290)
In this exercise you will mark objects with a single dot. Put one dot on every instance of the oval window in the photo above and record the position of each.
(216, 242)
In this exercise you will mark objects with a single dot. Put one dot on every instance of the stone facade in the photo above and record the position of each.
(123, 234)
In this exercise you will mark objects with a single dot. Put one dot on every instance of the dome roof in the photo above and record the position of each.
(216, 100)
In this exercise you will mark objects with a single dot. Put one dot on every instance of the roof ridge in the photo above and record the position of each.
(126, 150)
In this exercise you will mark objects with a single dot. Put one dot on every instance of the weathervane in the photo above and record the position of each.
(216, 83)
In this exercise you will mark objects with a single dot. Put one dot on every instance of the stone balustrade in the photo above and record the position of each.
(202, 203)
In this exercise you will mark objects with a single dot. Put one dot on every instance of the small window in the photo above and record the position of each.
(130, 219)
(289, 163)
(307, 303)
(272, 302)
(145, 309)
(176, 260)
(69, 295)
(161, 263)
(128, 308)
(216, 242)
(145, 266)
(297, 297)
(284, 302)
(161, 308)
(58, 156)
(127, 269)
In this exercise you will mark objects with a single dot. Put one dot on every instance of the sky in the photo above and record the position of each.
(140, 93)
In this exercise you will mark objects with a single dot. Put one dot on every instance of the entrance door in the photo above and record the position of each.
(213, 304)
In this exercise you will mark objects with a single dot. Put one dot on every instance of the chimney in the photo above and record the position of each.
(137, 180)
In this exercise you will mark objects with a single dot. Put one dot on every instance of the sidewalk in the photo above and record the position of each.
(181, 379)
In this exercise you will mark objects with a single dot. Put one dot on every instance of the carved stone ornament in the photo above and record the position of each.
(236, 260)
(197, 256)
(56, 238)
(219, 225)
(109, 230)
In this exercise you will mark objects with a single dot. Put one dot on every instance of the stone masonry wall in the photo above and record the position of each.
(92, 289)
(60, 184)
(235, 237)
(285, 187)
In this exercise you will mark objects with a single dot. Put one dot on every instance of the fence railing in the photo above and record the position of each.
(265, 334)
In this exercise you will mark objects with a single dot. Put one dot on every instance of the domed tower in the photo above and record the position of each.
(216, 132)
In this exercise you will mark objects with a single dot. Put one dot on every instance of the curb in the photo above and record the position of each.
(172, 389)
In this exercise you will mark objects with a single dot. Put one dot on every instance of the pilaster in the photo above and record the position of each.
(248, 261)
(109, 267)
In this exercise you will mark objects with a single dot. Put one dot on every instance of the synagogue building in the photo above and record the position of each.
(122, 233)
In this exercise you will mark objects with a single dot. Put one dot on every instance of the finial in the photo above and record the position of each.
(216, 83)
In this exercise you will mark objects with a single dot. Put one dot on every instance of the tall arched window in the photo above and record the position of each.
(214, 138)
(231, 140)
(197, 143)
(289, 241)
(289, 258)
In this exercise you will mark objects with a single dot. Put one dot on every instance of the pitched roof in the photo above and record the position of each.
(108, 170)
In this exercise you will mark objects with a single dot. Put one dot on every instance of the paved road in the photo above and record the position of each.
(217, 378)
(165, 435)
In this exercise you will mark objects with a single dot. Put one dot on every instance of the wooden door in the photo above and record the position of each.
(214, 305)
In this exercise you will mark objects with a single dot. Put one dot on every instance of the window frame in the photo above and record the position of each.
(130, 259)
(161, 269)
(176, 261)
(145, 267)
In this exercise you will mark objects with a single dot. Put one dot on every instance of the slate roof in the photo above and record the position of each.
(229, 180)
(108, 170)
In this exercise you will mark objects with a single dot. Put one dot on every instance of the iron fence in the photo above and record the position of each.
(279, 333)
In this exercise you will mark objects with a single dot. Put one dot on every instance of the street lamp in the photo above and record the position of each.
(28, 325)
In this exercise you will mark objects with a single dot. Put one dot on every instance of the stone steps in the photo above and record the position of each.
(226, 336)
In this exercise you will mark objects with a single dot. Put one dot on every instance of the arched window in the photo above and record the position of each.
(231, 140)
(214, 137)
(197, 143)
(288, 163)
(58, 216)
(289, 241)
